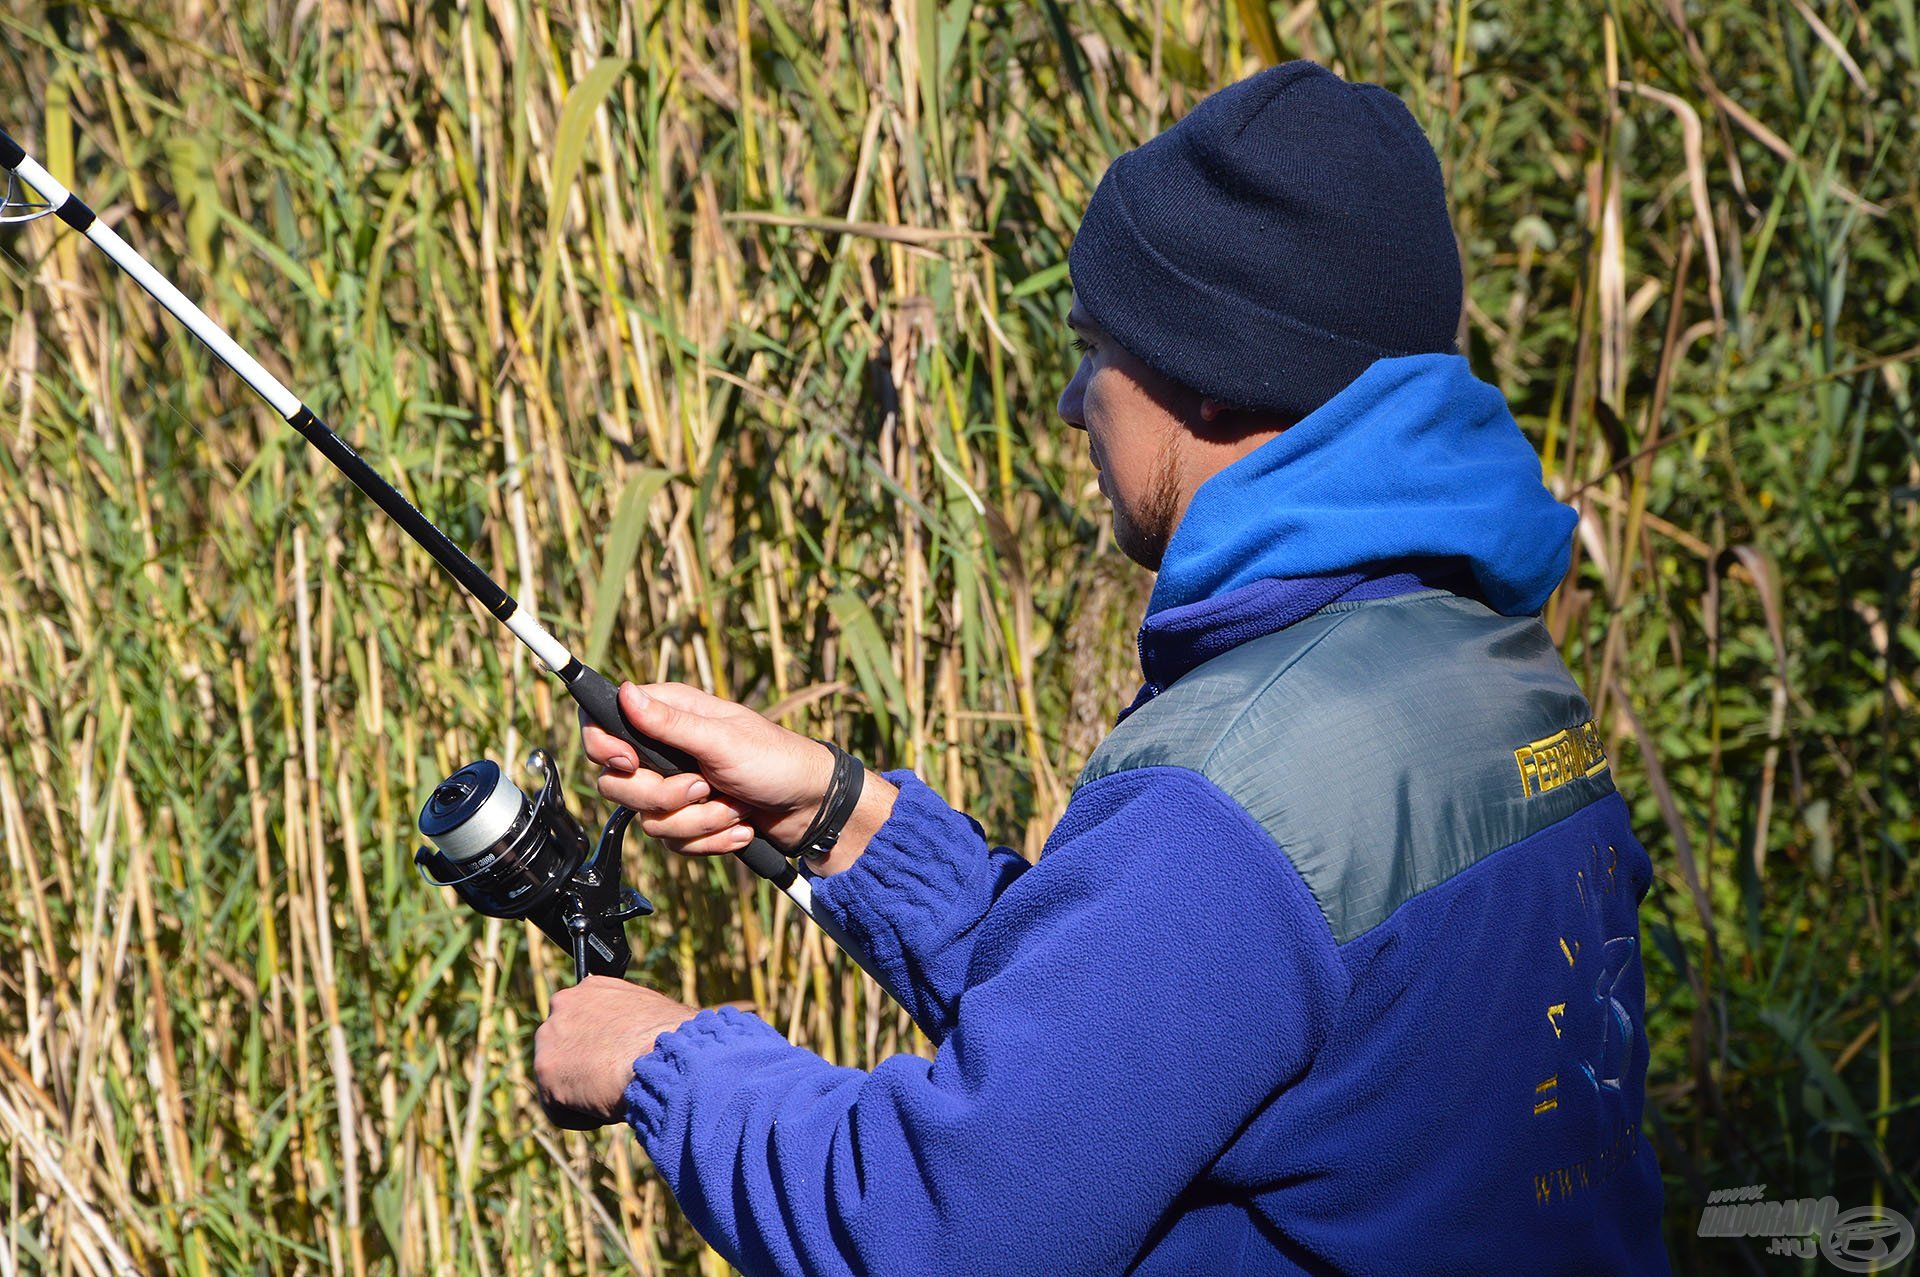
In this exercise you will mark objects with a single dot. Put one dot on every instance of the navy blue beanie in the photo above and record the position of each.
(1286, 233)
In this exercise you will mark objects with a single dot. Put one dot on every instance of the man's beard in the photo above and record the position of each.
(1145, 540)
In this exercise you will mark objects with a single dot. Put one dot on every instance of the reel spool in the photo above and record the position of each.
(509, 856)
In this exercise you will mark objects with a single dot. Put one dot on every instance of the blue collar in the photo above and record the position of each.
(1415, 476)
(1415, 460)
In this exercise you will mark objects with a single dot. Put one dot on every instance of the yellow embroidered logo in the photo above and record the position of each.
(1564, 756)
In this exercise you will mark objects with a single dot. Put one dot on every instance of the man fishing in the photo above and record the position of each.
(1331, 964)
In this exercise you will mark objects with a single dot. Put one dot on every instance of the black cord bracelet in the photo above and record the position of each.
(836, 809)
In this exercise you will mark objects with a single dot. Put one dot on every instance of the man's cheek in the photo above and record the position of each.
(1093, 411)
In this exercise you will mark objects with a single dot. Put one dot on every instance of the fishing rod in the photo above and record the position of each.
(506, 855)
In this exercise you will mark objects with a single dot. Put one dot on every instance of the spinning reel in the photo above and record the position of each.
(513, 857)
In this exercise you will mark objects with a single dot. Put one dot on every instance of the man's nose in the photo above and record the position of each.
(1072, 405)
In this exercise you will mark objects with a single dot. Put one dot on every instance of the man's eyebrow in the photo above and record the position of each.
(1079, 320)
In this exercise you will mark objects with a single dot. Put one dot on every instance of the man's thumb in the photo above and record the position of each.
(696, 734)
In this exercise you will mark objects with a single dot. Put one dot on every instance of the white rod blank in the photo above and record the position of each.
(551, 651)
(264, 383)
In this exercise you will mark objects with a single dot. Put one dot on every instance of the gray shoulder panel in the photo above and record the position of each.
(1385, 746)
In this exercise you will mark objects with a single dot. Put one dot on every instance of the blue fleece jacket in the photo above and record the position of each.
(1154, 1054)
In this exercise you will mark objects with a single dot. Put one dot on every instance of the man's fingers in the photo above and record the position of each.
(649, 791)
(572, 1119)
(606, 749)
(719, 844)
(696, 821)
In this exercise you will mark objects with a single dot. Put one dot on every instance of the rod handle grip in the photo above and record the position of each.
(595, 693)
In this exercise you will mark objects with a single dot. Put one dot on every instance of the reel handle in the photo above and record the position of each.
(595, 693)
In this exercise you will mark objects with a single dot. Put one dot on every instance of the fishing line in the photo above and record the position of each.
(523, 858)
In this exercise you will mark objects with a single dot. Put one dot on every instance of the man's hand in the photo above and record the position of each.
(766, 777)
(583, 1055)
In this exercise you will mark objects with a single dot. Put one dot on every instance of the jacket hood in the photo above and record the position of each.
(1416, 460)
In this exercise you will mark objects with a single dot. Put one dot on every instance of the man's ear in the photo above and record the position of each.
(1211, 410)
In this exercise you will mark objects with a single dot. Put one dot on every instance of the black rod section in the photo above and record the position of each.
(416, 525)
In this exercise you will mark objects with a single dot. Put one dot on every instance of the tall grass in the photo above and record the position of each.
(727, 335)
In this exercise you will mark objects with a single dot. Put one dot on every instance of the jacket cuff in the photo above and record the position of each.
(901, 895)
(665, 1074)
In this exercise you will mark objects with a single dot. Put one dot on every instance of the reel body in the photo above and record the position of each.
(509, 856)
